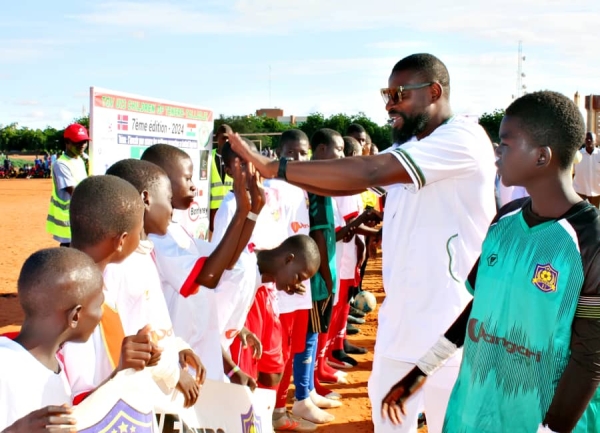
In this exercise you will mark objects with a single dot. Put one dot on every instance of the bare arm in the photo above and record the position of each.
(347, 174)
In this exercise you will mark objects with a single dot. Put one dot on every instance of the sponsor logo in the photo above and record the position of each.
(545, 278)
(476, 334)
(296, 226)
(251, 423)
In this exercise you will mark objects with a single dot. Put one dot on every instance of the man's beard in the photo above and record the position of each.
(410, 127)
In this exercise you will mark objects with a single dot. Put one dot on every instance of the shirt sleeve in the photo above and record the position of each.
(178, 267)
(450, 152)
(317, 212)
(62, 175)
(79, 360)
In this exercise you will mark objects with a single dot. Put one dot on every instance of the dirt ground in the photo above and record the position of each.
(22, 223)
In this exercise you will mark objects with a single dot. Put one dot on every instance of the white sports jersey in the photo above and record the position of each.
(131, 288)
(293, 202)
(433, 230)
(179, 258)
(26, 384)
(349, 207)
(587, 174)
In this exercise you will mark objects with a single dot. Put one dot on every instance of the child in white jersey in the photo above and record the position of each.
(60, 291)
(185, 263)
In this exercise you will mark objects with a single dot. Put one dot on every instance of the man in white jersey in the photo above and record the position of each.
(440, 181)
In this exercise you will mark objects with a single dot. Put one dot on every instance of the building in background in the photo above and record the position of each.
(277, 113)
(592, 106)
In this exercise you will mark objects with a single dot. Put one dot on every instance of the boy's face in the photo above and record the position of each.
(295, 271)
(131, 241)
(243, 166)
(89, 315)
(180, 174)
(159, 209)
(333, 151)
(295, 150)
(518, 161)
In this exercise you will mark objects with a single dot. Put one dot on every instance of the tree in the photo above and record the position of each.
(491, 123)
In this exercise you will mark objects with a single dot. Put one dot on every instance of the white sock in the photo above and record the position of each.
(323, 402)
(306, 409)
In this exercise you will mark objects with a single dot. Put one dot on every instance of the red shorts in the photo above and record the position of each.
(263, 322)
(294, 326)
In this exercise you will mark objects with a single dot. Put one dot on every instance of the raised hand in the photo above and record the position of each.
(257, 191)
(239, 175)
(267, 167)
(393, 403)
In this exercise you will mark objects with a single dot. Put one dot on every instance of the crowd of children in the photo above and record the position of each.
(135, 290)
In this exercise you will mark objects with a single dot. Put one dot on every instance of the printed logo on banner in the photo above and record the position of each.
(123, 122)
(124, 419)
(251, 423)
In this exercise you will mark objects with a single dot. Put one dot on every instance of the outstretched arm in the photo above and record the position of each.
(347, 174)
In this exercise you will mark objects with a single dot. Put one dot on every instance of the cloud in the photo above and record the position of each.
(27, 103)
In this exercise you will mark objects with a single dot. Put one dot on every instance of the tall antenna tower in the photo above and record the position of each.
(521, 88)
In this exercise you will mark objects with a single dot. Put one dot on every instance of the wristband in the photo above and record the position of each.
(437, 356)
(282, 169)
(233, 371)
(252, 216)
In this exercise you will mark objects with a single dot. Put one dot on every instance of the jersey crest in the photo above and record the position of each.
(545, 278)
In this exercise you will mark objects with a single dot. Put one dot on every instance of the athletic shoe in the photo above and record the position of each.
(357, 313)
(351, 330)
(289, 422)
(355, 320)
(351, 349)
(342, 356)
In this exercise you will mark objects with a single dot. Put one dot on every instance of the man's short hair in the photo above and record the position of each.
(103, 207)
(324, 136)
(551, 119)
(429, 68)
(142, 174)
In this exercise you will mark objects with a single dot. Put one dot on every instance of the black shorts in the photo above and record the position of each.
(320, 316)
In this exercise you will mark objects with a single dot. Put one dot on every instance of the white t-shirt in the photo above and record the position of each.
(132, 289)
(293, 202)
(349, 207)
(27, 385)
(587, 174)
(179, 259)
(433, 230)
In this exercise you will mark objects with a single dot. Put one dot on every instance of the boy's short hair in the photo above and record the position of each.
(102, 207)
(292, 135)
(141, 174)
(163, 155)
(324, 136)
(56, 279)
(229, 155)
(351, 145)
(303, 246)
(551, 119)
(355, 128)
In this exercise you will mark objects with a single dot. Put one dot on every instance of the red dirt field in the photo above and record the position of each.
(22, 224)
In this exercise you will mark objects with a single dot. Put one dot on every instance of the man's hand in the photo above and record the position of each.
(239, 176)
(267, 167)
(47, 419)
(257, 191)
(243, 379)
(295, 289)
(189, 387)
(138, 351)
(250, 339)
(187, 358)
(393, 403)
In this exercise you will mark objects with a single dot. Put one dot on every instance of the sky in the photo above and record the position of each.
(304, 56)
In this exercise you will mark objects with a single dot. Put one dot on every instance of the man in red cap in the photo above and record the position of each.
(67, 172)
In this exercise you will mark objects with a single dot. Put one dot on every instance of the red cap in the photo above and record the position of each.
(76, 133)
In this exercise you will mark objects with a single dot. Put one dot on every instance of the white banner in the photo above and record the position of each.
(127, 403)
(124, 125)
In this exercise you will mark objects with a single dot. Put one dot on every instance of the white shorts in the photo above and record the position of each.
(431, 399)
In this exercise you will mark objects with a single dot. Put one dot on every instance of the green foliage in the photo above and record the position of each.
(491, 123)
(15, 138)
